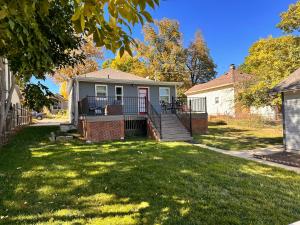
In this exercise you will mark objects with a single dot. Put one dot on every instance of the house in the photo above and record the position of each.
(220, 95)
(109, 104)
(290, 93)
(5, 70)
(61, 104)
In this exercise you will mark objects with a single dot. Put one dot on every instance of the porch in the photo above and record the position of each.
(118, 118)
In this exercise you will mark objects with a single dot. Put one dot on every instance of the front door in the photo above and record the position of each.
(143, 98)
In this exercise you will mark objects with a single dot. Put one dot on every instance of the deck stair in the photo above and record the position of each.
(173, 130)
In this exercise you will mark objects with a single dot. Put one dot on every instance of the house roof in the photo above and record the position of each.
(232, 77)
(289, 84)
(109, 75)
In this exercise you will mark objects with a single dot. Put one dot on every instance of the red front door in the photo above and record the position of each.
(143, 98)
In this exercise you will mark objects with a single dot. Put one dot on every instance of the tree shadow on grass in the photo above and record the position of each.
(137, 182)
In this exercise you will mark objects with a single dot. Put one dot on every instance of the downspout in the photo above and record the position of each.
(283, 121)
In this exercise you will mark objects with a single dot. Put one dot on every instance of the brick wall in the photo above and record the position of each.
(102, 130)
(151, 131)
(199, 122)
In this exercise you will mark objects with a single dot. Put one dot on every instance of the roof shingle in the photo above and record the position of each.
(289, 84)
(233, 76)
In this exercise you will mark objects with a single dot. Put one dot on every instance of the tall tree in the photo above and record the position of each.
(290, 20)
(127, 63)
(162, 51)
(270, 60)
(199, 62)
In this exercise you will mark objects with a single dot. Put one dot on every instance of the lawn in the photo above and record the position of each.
(138, 182)
(241, 135)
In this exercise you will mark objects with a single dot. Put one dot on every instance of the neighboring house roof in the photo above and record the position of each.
(59, 97)
(109, 75)
(232, 77)
(289, 84)
(18, 91)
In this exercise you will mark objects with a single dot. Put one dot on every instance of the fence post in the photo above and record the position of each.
(191, 128)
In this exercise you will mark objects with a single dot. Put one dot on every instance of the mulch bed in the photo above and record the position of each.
(286, 158)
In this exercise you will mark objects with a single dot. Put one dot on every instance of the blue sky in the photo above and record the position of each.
(229, 27)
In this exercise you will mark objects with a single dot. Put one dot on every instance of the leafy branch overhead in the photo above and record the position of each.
(106, 20)
(38, 36)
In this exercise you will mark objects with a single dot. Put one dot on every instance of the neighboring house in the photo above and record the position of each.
(108, 100)
(220, 95)
(290, 92)
(60, 104)
(5, 69)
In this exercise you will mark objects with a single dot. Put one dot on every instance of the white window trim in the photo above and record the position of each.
(101, 85)
(164, 95)
(119, 95)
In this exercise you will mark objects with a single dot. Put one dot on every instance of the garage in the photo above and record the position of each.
(292, 120)
(290, 92)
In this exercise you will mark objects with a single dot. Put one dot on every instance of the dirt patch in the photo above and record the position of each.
(286, 158)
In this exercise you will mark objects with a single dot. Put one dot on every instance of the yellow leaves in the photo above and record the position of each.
(63, 90)
(290, 20)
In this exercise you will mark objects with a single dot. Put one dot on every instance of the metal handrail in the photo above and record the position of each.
(155, 118)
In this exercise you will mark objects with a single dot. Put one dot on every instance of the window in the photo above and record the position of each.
(101, 91)
(217, 100)
(164, 94)
(119, 93)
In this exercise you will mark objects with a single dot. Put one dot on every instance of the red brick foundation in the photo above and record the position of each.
(199, 122)
(102, 128)
(151, 132)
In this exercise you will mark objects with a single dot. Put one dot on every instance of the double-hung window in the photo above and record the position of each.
(119, 94)
(101, 90)
(164, 94)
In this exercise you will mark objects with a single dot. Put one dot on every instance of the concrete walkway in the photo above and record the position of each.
(248, 154)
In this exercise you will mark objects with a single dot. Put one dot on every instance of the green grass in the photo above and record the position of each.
(138, 182)
(241, 136)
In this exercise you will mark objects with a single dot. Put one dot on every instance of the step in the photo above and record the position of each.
(176, 139)
(176, 136)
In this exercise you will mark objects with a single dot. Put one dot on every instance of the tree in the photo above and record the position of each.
(36, 96)
(127, 63)
(162, 51)
(290, 20)
(270, 60)
(199, 62)
(37, 53)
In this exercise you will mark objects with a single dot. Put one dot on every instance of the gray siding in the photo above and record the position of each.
(292, 120)
(88, 89)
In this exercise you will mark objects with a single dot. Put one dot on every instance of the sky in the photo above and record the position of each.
(229, 27)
